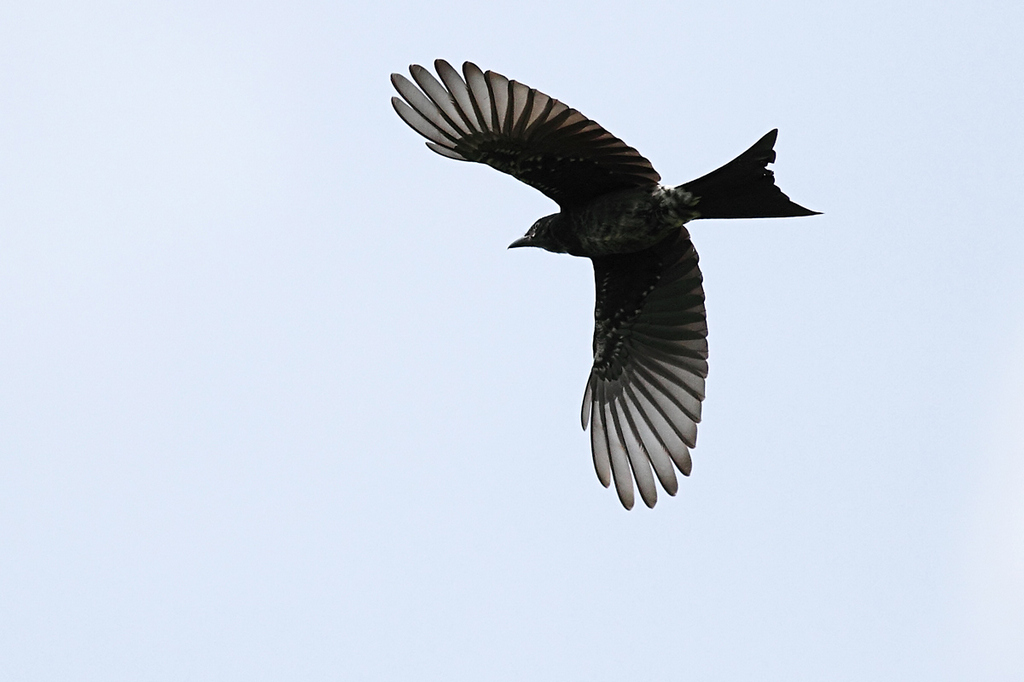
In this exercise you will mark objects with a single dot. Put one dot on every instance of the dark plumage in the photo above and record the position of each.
(643, 398)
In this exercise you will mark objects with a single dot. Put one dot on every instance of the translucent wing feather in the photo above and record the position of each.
(650, 362)
(484, 117)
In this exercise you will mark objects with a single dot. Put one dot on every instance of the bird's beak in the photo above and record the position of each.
(522, 241)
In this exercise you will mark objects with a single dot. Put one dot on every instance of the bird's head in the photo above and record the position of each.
(542, 235)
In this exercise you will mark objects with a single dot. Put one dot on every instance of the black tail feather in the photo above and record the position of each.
(744, 187)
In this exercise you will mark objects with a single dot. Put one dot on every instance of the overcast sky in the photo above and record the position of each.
(276, 403)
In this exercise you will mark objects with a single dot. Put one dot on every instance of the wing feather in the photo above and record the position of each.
(637, 454)
(650, 361)
(420, 124)
(482, 104)
(651, 442)
(497, 86)
(442, 99)
(485, 117)
(444, 151)
(423, 106)
(588, 402)
(617, 451)
(461, 98)
(599, 446)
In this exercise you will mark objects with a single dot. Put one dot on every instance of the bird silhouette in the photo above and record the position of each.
(643, 398)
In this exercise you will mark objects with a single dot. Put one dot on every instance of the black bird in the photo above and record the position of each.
(643, 398)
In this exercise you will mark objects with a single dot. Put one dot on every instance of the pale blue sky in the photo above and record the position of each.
(277, 404)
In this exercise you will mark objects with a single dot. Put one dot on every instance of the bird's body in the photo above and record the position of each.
(625, 221)
(643, 398)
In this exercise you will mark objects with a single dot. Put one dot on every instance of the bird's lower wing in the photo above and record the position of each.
(643, 399)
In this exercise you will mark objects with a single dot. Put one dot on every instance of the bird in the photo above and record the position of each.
(643, 398)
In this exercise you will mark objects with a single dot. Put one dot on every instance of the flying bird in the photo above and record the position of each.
(643, 398)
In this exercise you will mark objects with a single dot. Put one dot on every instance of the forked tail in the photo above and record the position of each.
(744, 187)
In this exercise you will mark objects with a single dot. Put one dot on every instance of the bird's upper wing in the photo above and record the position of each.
(520, 131)
(643, 399)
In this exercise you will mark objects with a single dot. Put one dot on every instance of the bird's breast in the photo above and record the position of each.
(629, 221)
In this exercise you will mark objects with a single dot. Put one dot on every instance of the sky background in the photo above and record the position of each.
(277, 404)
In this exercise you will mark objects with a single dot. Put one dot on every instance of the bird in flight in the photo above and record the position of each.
(643, 399)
